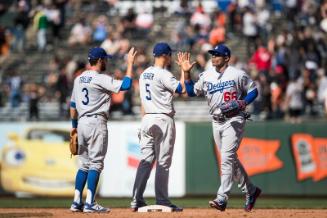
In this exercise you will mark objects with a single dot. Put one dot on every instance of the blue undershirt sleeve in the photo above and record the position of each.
(73, 104)
(179, 89)
(249, 98)
(127, 84)
(189, 85)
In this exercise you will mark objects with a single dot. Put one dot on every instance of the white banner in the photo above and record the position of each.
(122, 160)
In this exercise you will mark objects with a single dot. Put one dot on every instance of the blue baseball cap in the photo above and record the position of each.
(97, 53)
(161, 48)
(220, 50)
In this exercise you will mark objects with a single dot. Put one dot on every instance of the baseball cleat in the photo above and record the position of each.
(76, 207)
(95, 208)
(219, 205)
(251, 199)
(135, 207)
(175, 208)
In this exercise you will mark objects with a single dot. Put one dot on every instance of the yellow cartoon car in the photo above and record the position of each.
(38, 164)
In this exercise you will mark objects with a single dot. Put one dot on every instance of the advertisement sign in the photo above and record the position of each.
(124, 155)
(35, 159)
(320, 145)
(310, 156)
(259, 156)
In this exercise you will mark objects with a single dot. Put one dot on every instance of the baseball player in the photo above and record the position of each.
(228, 90)
(90, 103)
(157, 133)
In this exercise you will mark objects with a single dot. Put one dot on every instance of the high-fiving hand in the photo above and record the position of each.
(183, 60)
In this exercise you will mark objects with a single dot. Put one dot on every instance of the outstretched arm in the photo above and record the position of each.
(127, 81)
(185, 65)
(251, 96)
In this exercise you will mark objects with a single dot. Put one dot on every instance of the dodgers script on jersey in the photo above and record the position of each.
(233, 84)
(91, 93)
(157, 87)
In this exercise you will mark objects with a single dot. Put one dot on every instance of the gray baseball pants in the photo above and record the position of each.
(228, 136)
(157, 143)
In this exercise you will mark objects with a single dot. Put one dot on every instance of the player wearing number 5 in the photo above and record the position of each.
(157, 136)
(90, 103)
(228, 90)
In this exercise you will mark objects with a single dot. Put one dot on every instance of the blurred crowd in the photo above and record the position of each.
(281, 44)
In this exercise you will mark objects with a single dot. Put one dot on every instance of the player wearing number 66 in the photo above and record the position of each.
(157, 136)
(89, 110)
(228, 90)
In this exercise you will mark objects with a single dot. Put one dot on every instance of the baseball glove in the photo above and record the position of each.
(232, 108)
(73, 145)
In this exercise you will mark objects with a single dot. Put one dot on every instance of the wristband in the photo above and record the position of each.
(74, 123)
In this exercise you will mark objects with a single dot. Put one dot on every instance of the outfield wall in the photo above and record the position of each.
(281, 158)
(285, 179)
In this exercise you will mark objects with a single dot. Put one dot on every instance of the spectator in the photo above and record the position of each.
(33, 96)
(144, 22)
(250, 30)
(128, 22)
(291, 8)
(80, 34)
(199, 17)
(21, 22)
(323, 13)
(293, 101)
(4, 42)
(276, 100)
(217, 35)
(183, 10)
(261, 60)
(54, 18)
(15, 87)
(310, 91)
(263, 24)
(233, 17)
(322, 86)
(100, 29)
(41, 25)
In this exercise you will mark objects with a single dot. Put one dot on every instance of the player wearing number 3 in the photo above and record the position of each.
(157, 136)
(228, 90)
(90, 103)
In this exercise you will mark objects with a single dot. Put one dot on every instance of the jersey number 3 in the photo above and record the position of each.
(148, 93)
(230, 96)
(86, 100)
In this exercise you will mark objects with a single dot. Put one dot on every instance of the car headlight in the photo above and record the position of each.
(14, 157)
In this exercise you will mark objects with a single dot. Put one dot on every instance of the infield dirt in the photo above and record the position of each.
(192, 212)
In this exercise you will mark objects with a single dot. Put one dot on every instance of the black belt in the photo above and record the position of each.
(92, 115)
(96, 115)
(161, 113)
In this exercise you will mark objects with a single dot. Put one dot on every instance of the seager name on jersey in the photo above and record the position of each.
(85, 79)
(219, 87)
(148, 76)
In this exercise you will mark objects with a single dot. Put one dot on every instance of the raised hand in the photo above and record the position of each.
(183, 60)
(131, 56)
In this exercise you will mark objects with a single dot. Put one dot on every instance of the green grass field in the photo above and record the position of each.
(198, 202)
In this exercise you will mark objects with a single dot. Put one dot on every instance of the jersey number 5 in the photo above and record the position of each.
(86, 101)
(230, 96)
(148, 93)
